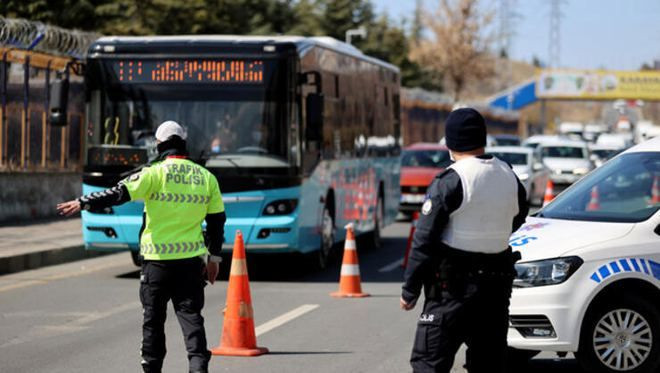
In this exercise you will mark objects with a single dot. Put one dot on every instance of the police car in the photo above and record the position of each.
(589, 278)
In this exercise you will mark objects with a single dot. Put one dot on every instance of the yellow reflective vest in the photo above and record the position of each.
(178, 194)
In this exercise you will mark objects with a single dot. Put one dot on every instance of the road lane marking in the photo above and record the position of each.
(285, 318)
(392, 266)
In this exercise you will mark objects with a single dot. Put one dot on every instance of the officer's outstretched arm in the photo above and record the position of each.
(96, 201)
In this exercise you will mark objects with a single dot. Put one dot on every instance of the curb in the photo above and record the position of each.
(34, 260)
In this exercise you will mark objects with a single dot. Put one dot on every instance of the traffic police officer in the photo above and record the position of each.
(461, 256)
(178, 195)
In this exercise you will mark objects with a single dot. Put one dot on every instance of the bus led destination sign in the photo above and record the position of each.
(190, 71)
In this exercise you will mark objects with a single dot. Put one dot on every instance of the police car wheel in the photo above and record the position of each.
(327, 238)
(621, 337)
(136, 257)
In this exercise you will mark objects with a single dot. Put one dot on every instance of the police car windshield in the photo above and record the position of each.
(426, 158)
(627, 189)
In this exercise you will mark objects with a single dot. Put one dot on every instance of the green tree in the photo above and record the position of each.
(307, 20)
(339, 16)
(74, 14)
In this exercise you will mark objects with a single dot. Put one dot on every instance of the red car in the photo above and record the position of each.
(420, 163)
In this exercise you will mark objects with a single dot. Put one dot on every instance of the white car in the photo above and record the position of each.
(620, 140)
(589, 279)
(602, 153)
(535, 140)
(527, 165)
(567, 160)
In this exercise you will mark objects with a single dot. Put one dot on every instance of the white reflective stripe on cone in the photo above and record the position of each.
(238, 267)
(350, 270)
(350, 245)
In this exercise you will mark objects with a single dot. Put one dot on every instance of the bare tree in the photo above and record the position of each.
(460, 44)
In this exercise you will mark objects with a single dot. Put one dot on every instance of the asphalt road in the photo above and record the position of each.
(85, 316)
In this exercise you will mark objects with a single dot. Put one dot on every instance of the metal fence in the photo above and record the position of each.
(32, 55)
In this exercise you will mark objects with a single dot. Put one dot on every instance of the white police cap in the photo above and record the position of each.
(170, 128)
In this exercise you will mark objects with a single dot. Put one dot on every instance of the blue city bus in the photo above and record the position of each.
(303, 134)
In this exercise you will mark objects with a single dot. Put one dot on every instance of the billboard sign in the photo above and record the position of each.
(598, 84)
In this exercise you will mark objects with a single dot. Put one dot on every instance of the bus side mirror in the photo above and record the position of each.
(59, 99)
(314, 115)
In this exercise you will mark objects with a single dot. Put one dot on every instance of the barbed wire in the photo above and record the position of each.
(32, 35)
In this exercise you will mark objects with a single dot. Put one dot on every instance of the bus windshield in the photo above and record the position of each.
(230, 124)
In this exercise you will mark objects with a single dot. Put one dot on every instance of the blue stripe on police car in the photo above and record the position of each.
(640, 265)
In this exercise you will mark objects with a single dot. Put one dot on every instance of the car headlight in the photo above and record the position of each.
(546, 272)
(523, 177)
(281, 207)
(580, 171)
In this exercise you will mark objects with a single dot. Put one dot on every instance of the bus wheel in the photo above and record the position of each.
(327, 238)
(621, 336)
(137, 258)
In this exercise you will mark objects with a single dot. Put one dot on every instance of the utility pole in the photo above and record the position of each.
(554, 47)
(506, 20)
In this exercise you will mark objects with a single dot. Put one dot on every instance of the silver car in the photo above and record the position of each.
(526, 163)
(567, 160)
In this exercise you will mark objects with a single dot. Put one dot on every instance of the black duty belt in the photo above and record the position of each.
(455, 264)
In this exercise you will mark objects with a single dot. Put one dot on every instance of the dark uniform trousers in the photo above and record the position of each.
(473, 310)
(181, 281)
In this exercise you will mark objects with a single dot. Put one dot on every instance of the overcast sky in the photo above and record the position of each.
(612, 34)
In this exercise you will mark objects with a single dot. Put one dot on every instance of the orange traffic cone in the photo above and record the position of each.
(549, 193)
(655, 191)
(413, 226)
(594, 203)
(349, 281)
(238, 338)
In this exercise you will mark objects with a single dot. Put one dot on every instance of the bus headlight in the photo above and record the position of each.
(280, 207)
(546, 272)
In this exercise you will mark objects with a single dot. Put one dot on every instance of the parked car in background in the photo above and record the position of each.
(602, 153)
(529, 168)
(567, 160)
(572, 130)
(507, 140)
(420, 163)
(589, 279)
(620, 140)
(593, 130)
(535, 140)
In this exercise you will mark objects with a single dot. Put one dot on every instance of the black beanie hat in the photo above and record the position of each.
(465, 130)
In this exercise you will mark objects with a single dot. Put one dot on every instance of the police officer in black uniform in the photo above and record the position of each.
(461, 256)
